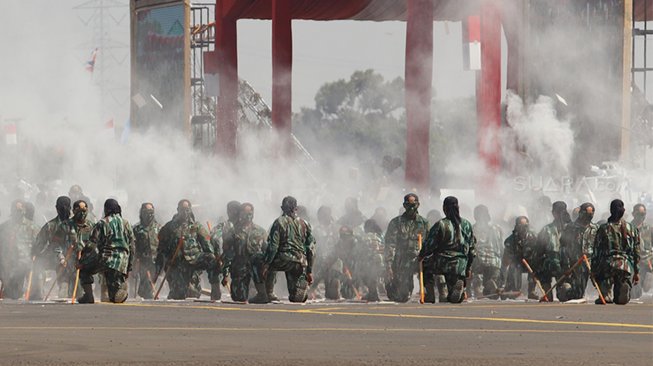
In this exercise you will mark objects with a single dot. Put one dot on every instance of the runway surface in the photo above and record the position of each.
(322, 333)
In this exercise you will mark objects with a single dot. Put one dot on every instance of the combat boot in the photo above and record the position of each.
(261, 295)
(104, 290)
(87, 298)
(216, 293)
(121, 294)
(269, 289)
(456, 295)
(443, 291)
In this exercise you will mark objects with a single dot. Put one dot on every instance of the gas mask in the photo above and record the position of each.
(80, 213)
(411, 208)
(147, 216)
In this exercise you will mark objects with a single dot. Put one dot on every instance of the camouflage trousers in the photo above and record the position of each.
(184, 278)
(485, 280)
(513, 281)
(400, 286)
(645, 279)
(615, 285)
(114, 279)
(574, 286)
(241, 277)
(14, 283)
(295, 278)
(451, 287)
(145, 284)
(429, 282)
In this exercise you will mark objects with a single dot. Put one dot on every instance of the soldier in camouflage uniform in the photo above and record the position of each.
(16, 237)
(489, 249)
(546, 263)
(519, 245)
(247, 241)
(146, 235)
(369, 260)
(291, 248)
(196, 254)
(340, 264)
(221, 231)
(576, 240)
(326, 237)
(53, 246)
(615, 256)
(80, 229)
(110, 251)
(401, 248)
(645, 252)
(452, 242)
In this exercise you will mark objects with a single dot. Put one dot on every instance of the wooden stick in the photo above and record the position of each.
(29, 280)
(79, 255)
(537, 282)
(596, 285)
(69, 253)
(421, 271)
(564, 275)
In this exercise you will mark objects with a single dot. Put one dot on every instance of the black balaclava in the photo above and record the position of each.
(17, 210)
(560, 214)
(411, 208)
(146, 214)
(521, 229)
(80, 211)
(482, 215)
(452, 210)
(639, 213)
(586, 213)
(185, 214)
(324, 216)
(289, 206)
(63, 208)
(246, 218)
(111, 207)
(233, 211)
(617, 210)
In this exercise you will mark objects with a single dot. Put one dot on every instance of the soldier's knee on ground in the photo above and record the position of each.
(622, 292)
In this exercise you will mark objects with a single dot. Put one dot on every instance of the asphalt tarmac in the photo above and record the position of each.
(320, 333)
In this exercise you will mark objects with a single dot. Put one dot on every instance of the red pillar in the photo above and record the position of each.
(227, 54)
(282, 71)
(488, 96)
(419, 73)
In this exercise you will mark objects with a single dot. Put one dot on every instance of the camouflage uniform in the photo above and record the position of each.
(147, 243)
(517, 247)
(614, 259)
(80, 234)
(487, 265)
(16, 238)
(400, 251)
(369, 264)
(576, 240)
(239, 251)
(340, 265)
(546, 262)
(646, 258)
(54, 247)
(291, 249)
(326, 237)
(454, 252)
(109, 251)
(196, 254)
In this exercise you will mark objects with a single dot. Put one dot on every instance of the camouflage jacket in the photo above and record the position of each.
(616, 247)
(147, 241)
(325, 238)
(291, 239)
(402, 237)
(81, 233)
(114, 239)
(369, 254)
(242, 245)
(53, 238)
(576, 239)
(193, 237)
(547, 256)
(646, 237)
(16, 239)
(515, 249)
(489, 245)
(454, 250)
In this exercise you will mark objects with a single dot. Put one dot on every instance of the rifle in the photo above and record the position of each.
(29, 281)
(421, 270)
(537, 282)
(564, 275)
(596, 285)
(69, 253)
(79, 256)
(168, 265)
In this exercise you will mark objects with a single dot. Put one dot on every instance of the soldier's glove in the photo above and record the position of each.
(636, 279)
(309, 278)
